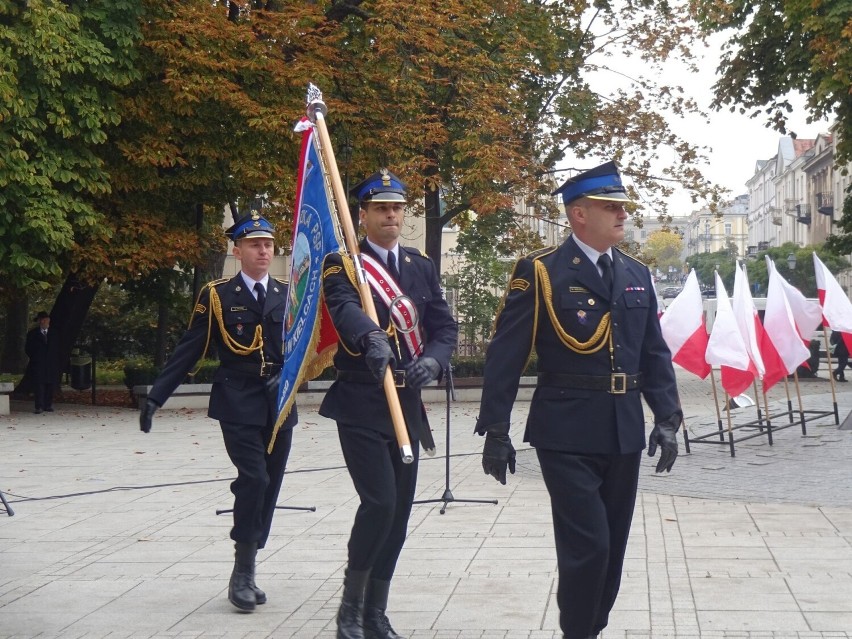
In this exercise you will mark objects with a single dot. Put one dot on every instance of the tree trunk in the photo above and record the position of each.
(162, 334)
(66, 318)
(17, 319)
(432, 206)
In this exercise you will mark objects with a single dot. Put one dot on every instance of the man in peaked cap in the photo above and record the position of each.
(590, 313)
(416, 345)
(41, 346)
(244, 316)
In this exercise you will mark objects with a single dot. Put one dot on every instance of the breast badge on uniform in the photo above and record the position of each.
(581, 316)
(239, 329)
(236, 309)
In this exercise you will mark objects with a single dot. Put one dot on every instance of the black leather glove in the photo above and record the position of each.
(498, 454)
(422, 371)
(664, 435)
(147, 414)
(378, 354)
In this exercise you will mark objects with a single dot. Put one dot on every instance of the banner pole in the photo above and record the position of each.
(316, 113)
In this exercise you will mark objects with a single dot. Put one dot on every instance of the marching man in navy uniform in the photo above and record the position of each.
(590, 313)
(416, 342)
(244, 317)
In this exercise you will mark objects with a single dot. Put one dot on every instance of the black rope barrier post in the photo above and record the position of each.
(6, 505)
(448, 496)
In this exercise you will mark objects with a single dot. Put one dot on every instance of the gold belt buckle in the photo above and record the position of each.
(618, 383)
(399, 378)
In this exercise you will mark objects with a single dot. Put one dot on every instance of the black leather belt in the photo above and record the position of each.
(366, 377)
(254, 368)
(616, 383)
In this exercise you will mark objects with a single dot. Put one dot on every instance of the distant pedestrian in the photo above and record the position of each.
(42, 348)
(841, 354)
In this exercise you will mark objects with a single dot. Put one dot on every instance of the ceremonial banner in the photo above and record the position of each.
(309, 337)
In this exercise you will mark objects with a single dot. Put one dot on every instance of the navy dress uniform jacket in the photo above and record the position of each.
(365, 404)
(573, 419)
(239, 393)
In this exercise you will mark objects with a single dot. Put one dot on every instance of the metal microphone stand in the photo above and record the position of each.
(447, 497)
(6, 505)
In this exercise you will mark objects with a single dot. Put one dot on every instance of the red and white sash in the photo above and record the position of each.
(402, 310)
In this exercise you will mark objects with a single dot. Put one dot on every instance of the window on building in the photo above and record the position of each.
(728, 229)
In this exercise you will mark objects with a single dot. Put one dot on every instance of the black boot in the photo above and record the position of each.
(376, 622)
(240, 591)
(350, 617)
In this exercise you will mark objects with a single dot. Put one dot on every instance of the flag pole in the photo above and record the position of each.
(316, 113)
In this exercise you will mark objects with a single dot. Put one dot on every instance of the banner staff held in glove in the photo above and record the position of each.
(590, 313)
(244, 317)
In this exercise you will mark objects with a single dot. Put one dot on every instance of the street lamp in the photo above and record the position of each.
(791, 261)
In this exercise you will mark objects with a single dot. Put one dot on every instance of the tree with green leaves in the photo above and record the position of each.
(488, 244)
(777, 48)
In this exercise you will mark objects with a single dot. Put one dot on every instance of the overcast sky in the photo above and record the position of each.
(737, 141)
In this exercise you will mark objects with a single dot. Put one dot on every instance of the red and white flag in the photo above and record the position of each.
(684, 329)
(782, 346)
(748, 320)
(806, 313)
(836, 307)
(726, 347)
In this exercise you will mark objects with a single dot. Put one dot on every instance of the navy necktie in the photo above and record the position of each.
(605, 262)
(261, 293)
(392, 269)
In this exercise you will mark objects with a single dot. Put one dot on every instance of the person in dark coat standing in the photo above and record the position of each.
(416, 343)
(590, 314)
(244, 317)
(41, 347)
(841, 354)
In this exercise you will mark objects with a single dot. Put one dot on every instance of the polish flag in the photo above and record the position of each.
(836, 307)
(726, 347)
(684, 329)
(781, 344)
(748, 320)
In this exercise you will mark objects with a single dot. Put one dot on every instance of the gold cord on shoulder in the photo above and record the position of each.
(233, 345)
(595, 343)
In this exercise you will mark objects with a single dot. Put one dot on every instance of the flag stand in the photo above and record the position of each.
(448, 497)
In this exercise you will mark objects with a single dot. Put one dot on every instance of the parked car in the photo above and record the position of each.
(671, 291)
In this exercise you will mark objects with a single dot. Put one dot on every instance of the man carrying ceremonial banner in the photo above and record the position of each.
(310, 340)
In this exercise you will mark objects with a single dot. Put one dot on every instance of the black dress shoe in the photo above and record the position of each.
(48, 410)
(37, 411)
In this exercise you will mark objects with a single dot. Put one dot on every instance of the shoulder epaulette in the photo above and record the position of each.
(281, 280)
(630, 256)
(541, 252)
(213, 283)
(414, 251)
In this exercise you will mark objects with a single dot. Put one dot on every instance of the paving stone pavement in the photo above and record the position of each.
(115, 533)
